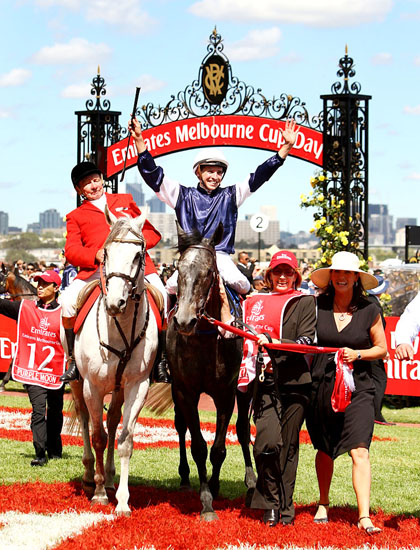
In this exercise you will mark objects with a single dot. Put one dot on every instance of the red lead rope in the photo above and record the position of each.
(298, 348)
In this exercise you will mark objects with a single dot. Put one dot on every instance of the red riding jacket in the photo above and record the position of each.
(87, 231)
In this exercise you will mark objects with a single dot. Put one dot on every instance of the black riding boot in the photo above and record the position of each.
(71, 373)
(161, 369)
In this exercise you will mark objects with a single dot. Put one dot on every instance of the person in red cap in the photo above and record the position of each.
(284, 383)
(87, 230)
(39, 363)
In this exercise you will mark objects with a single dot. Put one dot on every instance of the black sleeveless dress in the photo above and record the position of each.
(331, 432)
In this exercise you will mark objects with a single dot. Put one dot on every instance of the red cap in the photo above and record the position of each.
(283, 257)
(49, 276)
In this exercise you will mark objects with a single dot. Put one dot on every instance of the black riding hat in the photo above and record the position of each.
(82, 170)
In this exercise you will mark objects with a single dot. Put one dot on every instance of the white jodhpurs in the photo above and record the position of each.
(228, 271)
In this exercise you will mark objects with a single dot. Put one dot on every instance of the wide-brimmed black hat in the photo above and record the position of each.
(82, 170)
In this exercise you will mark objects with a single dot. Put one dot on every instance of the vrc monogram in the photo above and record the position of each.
(214, 78)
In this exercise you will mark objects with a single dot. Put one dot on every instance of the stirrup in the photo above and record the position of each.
(71, 373)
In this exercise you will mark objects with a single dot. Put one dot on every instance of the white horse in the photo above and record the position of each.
(114, 351)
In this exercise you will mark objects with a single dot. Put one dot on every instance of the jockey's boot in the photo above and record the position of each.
(160, 368)
(71, 372)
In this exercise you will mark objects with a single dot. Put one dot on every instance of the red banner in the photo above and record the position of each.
(403, 376)
(7, 342)
(232, 130)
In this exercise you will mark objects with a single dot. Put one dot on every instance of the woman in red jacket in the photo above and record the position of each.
(87, 230)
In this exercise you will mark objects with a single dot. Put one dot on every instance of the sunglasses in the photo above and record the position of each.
(286, 271)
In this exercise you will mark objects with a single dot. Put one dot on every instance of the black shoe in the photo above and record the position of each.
(287, 520)
(71, 373)
(39, 461)
(161, 372)
(271, 518)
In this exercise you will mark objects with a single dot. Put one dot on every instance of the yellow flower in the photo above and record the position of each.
(323, 220)
(329, 229)
(317, 224)
(321, 197)
(324, 259)
(321, 178)
(303, 198)
(344, 241)
(311, 230)
(341, 202)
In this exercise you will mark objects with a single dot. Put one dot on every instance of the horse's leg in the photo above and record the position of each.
(188, 404)
(183, 468)
(112, 421)
(88, 459)
(243, 431)
(134, 398)
(94, 402)
(224, 406)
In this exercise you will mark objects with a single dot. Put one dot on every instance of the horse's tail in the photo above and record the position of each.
(159, 398)
(72, 423)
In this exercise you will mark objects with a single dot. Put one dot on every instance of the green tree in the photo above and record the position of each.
(330, 223)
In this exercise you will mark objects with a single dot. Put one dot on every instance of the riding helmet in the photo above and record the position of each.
(210, 157)
(82, 170)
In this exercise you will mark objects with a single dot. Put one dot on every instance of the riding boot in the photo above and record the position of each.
(71, 372)
(161, 369)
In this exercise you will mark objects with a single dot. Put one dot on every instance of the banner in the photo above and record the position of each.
(7, 342)
(211, 131)
(403, 376)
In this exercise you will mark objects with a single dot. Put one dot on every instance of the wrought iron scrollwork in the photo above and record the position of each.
(239, 99)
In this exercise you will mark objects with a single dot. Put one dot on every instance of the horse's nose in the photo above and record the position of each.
(116, 309)
(185, 327)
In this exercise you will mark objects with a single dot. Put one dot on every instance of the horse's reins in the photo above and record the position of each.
(125, 354)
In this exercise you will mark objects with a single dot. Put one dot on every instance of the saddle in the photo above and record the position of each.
(91, 292)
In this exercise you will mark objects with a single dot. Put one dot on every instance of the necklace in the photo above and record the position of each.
(342, 315)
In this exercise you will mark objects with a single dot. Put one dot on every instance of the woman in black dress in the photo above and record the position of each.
(345, 320)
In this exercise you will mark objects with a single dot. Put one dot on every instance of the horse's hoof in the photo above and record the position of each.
(89, 488)
(208, 516)
(123, 513)
(99, 500)
(248, 498)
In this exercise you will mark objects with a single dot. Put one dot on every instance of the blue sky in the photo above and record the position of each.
(52, 48)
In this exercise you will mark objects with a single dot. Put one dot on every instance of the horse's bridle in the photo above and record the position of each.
(124, 355)
(200, 312)
(132, 280)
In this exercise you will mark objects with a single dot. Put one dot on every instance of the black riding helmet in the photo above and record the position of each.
(82, 170)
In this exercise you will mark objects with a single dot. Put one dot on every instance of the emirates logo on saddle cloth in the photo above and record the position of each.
(44, 324)
(256, 310)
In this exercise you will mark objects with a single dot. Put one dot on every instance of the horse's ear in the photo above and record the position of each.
(217, 235)
(180, 231)
(109, 216)
(139, 221)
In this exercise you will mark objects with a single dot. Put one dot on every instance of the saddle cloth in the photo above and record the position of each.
(91, 292)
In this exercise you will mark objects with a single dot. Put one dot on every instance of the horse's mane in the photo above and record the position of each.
(22, 282)
(120, 228)
(185, 240)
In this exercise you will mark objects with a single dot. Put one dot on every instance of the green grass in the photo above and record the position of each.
(395, 466)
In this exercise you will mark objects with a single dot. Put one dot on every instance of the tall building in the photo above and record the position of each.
(4, 223)
(244, 232)
(380, 224)
(156, 205)
(402, 222)
(136, 190)
(50, 219)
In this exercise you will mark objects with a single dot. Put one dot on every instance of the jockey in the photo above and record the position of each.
(205, 206)
(87, 230)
